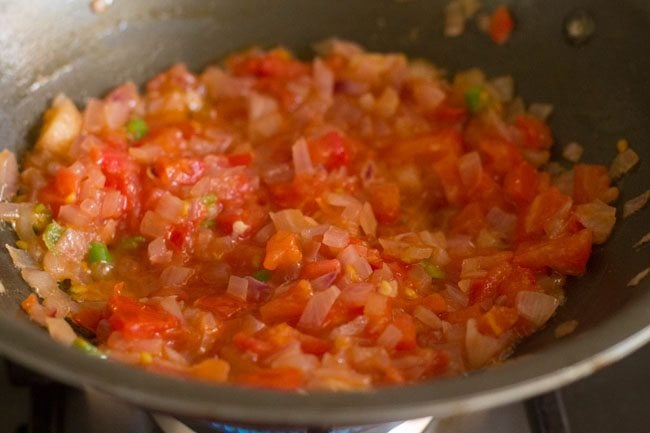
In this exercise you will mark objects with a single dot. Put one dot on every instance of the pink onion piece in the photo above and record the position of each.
(336, 237)
(258, 291)
(170, 207)
(153, 225)
(427, 317)
(470, 169)
(353, 327)
(301, 159)
(21, 258)
(350, 256)
(8, 175)
(291, 220)
(622, 163)
(175, 276)
(341, 200)
(158, 251)
(367, 220)
(238, 287)
(638, 277)
(173, 306)
(60, 330)
(480, 348)
(535, 306)
(635, 204)
(324, 281)
(390, 337)
(357, 294)
(503, 221)
(597, 217)
(317, 308)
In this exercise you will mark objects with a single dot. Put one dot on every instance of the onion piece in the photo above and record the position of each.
(623, 162)
(350, 257)
(341, 200)
(504, 87)
(572, 152)
(336, 238)
(470, 169)
(635, 204)
(8, 175)
(642, 241)
(173, 306)
(353, 327)
(427, 317)
(301, 159)
(597, 217)
(10, 211)
(175, 276)
(638, 277)
(479, 348)
(60, 330)
(238, 287)
(324, 281)
(357, 294)
(535, 306)
(390, 337)
(540, 110)
(158, 251)
(291, 220)
(504, 222)
(317, 308)
(21, 258)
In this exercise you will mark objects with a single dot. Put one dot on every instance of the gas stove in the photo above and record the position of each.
(613, 400)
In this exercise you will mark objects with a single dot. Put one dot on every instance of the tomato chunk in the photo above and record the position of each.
(568, 254)
(138, 320)
(501, 25)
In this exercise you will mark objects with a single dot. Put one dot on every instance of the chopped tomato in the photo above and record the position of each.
(520, 184)
(488, 287)
(568, 254)
(464, 314)
(245, 158)
(281, 378)
(519, 279)
(544, 207)
(287, 306)
(535, 133)
(211, 369)
(501, 156)
(283, 249)
(179, 171)
(313, 270)
(277, 63)
(329, 150)
(88, 317)
(405, 324)
(470, 220)
(223, 306)
(497, 320)
(435, 302)
(385, 201)
(590, 182)
(501, 25)
(137, 320)
(446, 171)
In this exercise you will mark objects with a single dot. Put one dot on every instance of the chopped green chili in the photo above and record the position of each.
(132, 242)
(98, 252)
(262, 275)
(137, 128)
(52, 234)
(434, 271)
(88, 348)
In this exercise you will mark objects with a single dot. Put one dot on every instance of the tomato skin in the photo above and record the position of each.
(222, 305)
(245, 158)
(282, 250)
(535, 133)
(541, 210)
(385, 201)
(179, 171)
(501, 25)
(590, 182)
(138, 320)
(282, 378)
(520, 184)
(288, 306)
(329, 150)
(568, 254)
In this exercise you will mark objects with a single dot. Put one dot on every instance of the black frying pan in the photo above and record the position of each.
(601, 92)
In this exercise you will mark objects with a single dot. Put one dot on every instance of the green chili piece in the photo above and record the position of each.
(41, 218)
(434, 271)
(262, 275)
(133, 242)
(52, 234)
(475, 98)
(209, 199)
(88, 348)
(137, 128)
(98, 252)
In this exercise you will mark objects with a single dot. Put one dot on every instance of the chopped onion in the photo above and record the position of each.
(260, 106)
(158, 251)
(21, 258)
(170, 207)
(292, 357)
(72, 215)
(504, 222)
(10, 211)
(637, 203)
(597, 217)
(60, 330)
(323, 79)
(341, 200)
(427, 317)
(175, 276)
(572, 152)
(643, 240)
(153, 225)
(8, 175)
(46, 287)
(291, 220)
(301, 159)
(480, 348)
(264, 233)
(357, 294)
(457, 296)
(350, 257)
(258, 291)
(351, 212)
(390, 337)
(504, 87)
(540, 110)
(353, 327)
(318, 230)
(324, 281)
(336, 238)
(173, 306)
(375, 305)
(535, 306)
(623, 162)
(470, 169)
(317, 308)
(565, 328)
(454, 19)
(238, 287)
(638, 277)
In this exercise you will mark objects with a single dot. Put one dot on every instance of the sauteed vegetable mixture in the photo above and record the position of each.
(350, 222)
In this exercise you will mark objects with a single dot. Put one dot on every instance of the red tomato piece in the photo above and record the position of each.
(223, 306)
(500, 155)
(385, 201)
(542, 209)
(470, 220)
(329, 150)
(568, 254)
(519, 279)
(446, 170)
(282, 378)
(137, 320)
(590, 182)
(405, 324)
(313, 270)
(245, 158)
(536, 134)
(520, 184)
(501, 25)
(288, 306)
(497, 320)
(179, 171)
